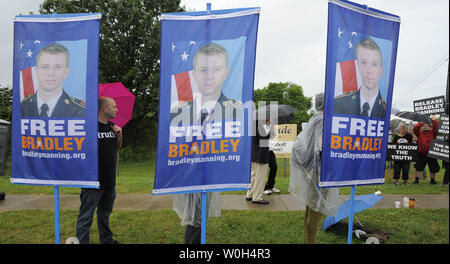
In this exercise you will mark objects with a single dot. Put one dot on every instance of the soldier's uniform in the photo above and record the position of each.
(190, 112)
(350, 104)
(65, 107)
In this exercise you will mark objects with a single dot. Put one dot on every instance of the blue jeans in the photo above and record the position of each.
(103, 200)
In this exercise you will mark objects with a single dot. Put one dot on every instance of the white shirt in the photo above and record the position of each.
(363, 101)
(207, 107)
(51, 104)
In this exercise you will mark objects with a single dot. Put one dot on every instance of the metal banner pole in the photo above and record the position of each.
(203, 227)
(57, 222)
(350, 217)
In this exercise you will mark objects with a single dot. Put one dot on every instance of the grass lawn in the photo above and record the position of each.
(405, 226)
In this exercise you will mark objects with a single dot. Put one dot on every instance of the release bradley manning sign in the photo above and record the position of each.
(430, 106)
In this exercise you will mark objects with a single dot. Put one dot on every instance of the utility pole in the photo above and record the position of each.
(446, 96)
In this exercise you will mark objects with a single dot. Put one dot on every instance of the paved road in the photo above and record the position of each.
(235, 202)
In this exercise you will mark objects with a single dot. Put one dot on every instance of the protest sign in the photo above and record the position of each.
(207, 74)
(284, 140)
(361, 57)
(438, 149)
(442, 127)
(401, 152)
(55, 86)
(430, 106)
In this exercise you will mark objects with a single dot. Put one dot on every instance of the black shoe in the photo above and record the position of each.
(114, 242)
(432, 181)
(261, 202)
(248, 199)
(416, 181)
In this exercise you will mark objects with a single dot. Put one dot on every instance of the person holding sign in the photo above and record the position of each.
(273, 167)
(425, 133)
(260, 161)
(367, 101)
(109, 142)
(305, 169)
(402, 137)
(188, 207)
(50, 100)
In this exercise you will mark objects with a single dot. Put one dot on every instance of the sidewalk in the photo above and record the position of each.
(233, 202)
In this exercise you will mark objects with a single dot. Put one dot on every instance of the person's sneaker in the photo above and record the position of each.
(396, 183)
(261, 202)
(416, 181)
(248, 199)
(432, 181)
(405, 182)
(275, 190)
(268, 192)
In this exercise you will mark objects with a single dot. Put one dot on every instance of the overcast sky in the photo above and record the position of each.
(292, 42)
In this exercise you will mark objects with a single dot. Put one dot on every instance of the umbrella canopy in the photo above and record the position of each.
(396, 121)
(394, 117)
(123, 98)
(281, 113)
(360, 203)
(414, 116)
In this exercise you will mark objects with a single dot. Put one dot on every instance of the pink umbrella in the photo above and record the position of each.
(124, 101)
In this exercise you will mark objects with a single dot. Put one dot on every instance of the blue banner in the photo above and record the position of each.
(361, 56)
(207, 76)
(55, 98)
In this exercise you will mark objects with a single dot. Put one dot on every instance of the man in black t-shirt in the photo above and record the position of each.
(109, 142)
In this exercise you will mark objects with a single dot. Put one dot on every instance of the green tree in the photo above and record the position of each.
(290, 94)
(129, 53)
(5, 103)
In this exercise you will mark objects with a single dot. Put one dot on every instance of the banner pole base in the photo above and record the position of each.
(350, 217)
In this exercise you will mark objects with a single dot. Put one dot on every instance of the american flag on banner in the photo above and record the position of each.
(28, 50)
(347, 77)
(183, 87)
(347, 74)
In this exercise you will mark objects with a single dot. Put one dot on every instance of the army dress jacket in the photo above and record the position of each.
(65, 107)
(224, 109)
(350, 104)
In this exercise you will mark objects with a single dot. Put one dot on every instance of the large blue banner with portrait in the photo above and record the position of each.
(361, 56)
(55, 98)
(205, 100)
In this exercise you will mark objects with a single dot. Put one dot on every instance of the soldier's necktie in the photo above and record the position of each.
(204, 115)
(44, 111)
(366, 108)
